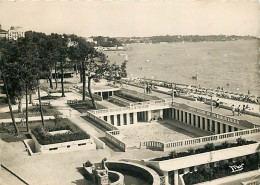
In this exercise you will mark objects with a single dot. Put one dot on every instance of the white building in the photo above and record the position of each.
(3, 33)
(15, 32)
(89, 39)
(71, 43)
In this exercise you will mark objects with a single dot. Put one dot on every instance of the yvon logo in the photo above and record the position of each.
(236, 168)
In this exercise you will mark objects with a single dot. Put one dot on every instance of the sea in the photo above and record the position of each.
(231, 65)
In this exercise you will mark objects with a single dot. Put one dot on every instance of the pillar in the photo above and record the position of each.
(134, 117)
(173, 113)
(221, 128)
(210, 125)
(121, 119)
(188, 118)
(216, 127)
(196, 120)
(232, 129)
(183, 114)
(108, 119)
(201, 122)
(127, 118)
(192, 120)
(149, 115)
(206, 124)
(145, 116)
(180, 115)
(166, 176)
(161, 113)
(176, 177)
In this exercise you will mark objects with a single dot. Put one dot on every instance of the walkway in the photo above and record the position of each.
(201, 105)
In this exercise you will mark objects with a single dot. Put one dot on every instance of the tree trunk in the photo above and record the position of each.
(40, 103)
(56, 83)
(50, 79)
(62, 83)
(26, 113)
(10, 107)
(20, 110)
(30, 98)
(90, 94)
(80, 73)
(83, 81)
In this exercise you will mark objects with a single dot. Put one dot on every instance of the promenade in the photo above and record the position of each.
(200, 105)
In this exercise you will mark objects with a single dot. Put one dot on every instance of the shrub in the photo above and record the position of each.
(241, 141)
(191, 151)
(209, 147)
(225, 144)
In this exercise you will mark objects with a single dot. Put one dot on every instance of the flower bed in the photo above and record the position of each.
(210, 173)
(207, 148)
(45, 138)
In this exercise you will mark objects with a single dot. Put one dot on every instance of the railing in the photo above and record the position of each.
(189, 142)
(207, 113)
(120, 109)
(110, 135)
(101, 121)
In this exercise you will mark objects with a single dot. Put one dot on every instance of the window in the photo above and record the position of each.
(53, 148)
(68, 146)
(81, 144)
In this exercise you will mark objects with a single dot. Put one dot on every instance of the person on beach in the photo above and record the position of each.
(217, 103)
(239, 110)
(244, 109)
(233, 109)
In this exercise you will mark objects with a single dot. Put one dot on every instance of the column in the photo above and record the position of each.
(173, 113)
(206, 124)
(210, 125)
(108, 119)
(121, 119)
(180, 115)
(232, 129)
(176, 177)
(188, 118)
(216, 127)
(201, 122)
(196, 120)
(166, 175)
(149, 115)
(183, 114)
(221, 128)
(127, 118)
(145, 116)
(161, 113)
(192, 120)
(134, 117)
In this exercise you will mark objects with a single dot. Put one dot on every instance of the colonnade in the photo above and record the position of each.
(202, 122)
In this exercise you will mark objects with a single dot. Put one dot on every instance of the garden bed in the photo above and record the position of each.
(207, 148)
(43, 136)
(210, 173)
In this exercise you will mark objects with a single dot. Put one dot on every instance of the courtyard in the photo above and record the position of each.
(163, 131)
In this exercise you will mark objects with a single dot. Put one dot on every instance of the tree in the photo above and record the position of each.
(7, 54)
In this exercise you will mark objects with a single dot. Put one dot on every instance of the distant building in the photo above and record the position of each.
(89, 39)
(15, 32)
(71, 43)
(3, 33)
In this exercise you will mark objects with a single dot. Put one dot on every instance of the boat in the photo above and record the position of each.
(195, 77)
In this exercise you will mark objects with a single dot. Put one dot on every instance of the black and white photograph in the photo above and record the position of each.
(129, 92)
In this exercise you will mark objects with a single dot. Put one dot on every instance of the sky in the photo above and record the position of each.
(117, 18)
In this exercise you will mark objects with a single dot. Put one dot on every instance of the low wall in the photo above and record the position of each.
(86, 144)
(99, 144)
(121, 101)
(200, 141)
(205, 158)
(227, 179)
(116, 178)
(100, 121)
(110, 136)
(147, 174)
